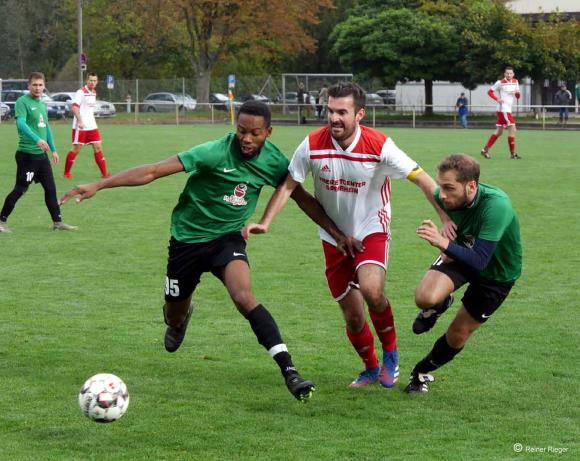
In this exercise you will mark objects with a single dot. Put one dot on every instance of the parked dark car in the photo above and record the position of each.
(254, 97)
(221, 101)
(389, 96)
(54, 109)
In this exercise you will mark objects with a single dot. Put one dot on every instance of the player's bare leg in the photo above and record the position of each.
(433, 296)
(236, 278)
(371, 279)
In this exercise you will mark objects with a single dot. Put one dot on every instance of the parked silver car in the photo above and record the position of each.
(102, 109)
(4, 111)
(168, 102)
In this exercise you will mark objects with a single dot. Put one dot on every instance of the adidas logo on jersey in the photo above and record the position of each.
(325, 169)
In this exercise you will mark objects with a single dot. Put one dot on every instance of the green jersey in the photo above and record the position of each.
(223, 189)
(491, 217)
(33, 112)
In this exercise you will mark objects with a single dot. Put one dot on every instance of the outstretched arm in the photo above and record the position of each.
(137, 176)
(428, 186)
(275, 205)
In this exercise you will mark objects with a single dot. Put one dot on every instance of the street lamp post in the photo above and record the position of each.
(81, 61)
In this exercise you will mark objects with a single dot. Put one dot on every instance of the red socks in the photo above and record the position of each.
(364, 344)
(385, 328)
(490, 142)
(100, 159)
(70, 159)
(512, 144)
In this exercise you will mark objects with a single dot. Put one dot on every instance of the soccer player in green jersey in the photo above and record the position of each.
(487, 255)
(226, 178)
(34, 144)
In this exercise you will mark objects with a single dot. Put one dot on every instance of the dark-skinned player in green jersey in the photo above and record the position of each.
(486, 255)
(225, 181)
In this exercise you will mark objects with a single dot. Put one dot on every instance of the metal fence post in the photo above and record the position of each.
(543, 118)
(137, 101)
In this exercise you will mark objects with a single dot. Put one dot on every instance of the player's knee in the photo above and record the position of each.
(375, 299)
(424, 298)
(355, 322)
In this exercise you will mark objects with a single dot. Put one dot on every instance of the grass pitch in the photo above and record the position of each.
(74, 304)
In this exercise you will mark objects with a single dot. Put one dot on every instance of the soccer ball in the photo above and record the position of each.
(104, 398)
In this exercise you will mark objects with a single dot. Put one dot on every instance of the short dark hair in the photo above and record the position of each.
(92, 74)
(344, 89)
(466, 167)
(258, 109)
(508, 68)
(36, 76)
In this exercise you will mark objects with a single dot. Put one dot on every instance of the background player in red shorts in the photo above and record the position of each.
(84, 127)
(505, 92)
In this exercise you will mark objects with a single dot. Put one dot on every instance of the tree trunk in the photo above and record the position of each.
(202, 86)
(428, 97)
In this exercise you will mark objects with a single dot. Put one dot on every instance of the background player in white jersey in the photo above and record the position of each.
(505, 92)
(352, 166)
(84, 127)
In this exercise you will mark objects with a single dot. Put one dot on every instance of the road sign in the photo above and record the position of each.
(231, 81)
(83, 59)
(110, 82)
(83, 67)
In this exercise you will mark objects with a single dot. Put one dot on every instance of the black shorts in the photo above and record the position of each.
(33, 168)
(482, 297)
(188, 261)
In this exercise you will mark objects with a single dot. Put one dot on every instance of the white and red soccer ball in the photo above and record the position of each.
(104, 398)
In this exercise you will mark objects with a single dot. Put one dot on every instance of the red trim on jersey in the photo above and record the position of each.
(346, 157)
(370, 142)
(385, 198)
(76, 104)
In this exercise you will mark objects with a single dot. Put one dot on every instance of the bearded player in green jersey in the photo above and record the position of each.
(35, 142)
(487, 255)
(226, 177)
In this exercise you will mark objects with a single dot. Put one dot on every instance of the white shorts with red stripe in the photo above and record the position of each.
(505, 119)
(85, 136)
(341, 270)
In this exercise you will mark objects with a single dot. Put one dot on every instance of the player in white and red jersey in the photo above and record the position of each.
(84, 127)
(352, 167)
(505, 92)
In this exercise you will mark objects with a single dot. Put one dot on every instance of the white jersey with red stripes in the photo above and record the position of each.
(86, 101)
(508, 91)
(354, 184)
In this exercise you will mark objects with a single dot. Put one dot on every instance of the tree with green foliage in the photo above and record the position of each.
(399, 44)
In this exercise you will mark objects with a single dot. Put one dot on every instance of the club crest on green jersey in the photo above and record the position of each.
(41, 122)
(237, 198)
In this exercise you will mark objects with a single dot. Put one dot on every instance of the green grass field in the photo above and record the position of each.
(75, 304)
